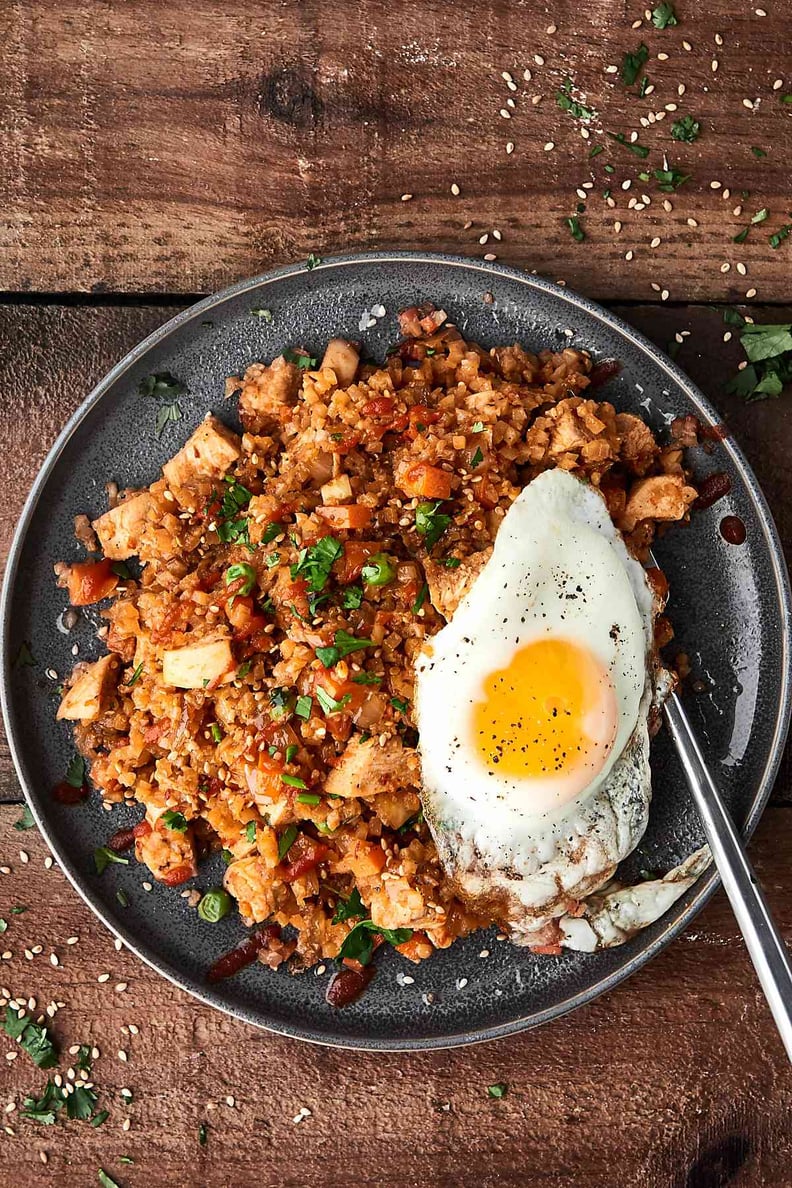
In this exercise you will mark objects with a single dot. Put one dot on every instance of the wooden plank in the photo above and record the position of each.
(677, 1077)
(50, 357)
(178, 147)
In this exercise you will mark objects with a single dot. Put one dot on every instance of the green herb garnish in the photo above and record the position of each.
(302, 707)
(359, 943)
(174, 820)
(430, 522)
(420, 598)
(26, 820)
(75, 772)
(329, 703)
(136, 675)
(315, 562)
(304, 362)
(264, 314)
(343, 644)
(565, 101)
(664, 16)
(686, 129)
(165, 388)
(286, 841)
(379, 570)
(308, 798)
(313, 260)
(293, 781)
(24, 657)
(632, 64)
(777, 238)
(352, 598)
(349, 909)
(366, 678)
(244, 571)
(640, 150)
(104, 857)
(575, 229)
(501, 1088)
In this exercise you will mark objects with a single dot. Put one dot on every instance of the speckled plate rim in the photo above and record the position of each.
(678, 917)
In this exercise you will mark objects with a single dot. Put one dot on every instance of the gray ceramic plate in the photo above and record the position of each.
(730, 606)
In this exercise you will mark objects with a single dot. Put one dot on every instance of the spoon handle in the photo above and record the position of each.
(764, 942)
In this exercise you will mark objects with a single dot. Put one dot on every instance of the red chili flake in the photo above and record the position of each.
(66, 793)
(713, 488)
(348, 984)
(733, 530)
(244, 954)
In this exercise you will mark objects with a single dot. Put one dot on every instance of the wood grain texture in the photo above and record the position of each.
(50, 357)
(675, 1079)
(178, 146)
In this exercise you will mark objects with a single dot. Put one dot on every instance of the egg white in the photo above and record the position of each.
(559, 568)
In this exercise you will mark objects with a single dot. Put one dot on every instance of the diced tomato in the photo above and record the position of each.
(426, 482)
(381, 408)
(208, 581)
(420, 415)
(265, 778)
(486, 494)
(356, 554)
(348, 517)
(304, 856)
(179, 874)
(90, 581)
(345, 443)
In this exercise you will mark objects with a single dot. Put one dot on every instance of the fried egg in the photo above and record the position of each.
(532, 706)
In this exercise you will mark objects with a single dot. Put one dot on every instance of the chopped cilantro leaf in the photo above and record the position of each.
(24, 657)
(763, 342)
(430, 522)
(670, 179)
(400, 704)
(597, 149)
(164, 387)
(271, 532)
(500, 1089)
(304, 362)
(202, 1134)
(758, 152)
(250, 831)
(175, 821)
(366, 678)
(216, 732)
(244, 571)
(686, 129)
(313, 260)
(343, 644)
(632, 64)
(75, 772)
(741, 236)
(411, 822)
(100, 1118)
(663, 17)
(26, 820)
(760, 215)
(451, 562)
(315, 562)
(359, 942)
(477, 459)
(328, 703)
(576, 109)
(575, 229)
(286, 841)
(244, 669)
(227, 856)
(80, 1105)
(104, 857)
(640, 150)
(349, 909)
(352, 598)
(38, 1045)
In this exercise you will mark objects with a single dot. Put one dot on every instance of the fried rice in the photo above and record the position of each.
(268, 594)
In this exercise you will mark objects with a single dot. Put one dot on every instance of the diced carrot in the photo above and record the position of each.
(428, 482)
(265, 778)
(419, 417)
(90, 581)
(417, 947)
(363, 859)
(243, 617)
(348, 516)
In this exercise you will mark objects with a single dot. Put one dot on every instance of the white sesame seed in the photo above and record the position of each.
(28, 955)
(636, 24)
(539, 60)
(667, 205)
(406, 197)
(484, 953)
(548, 148)
(125, 1125)
(687, 46)
(94, 1053)
(134, 1029)
(617, 226)
(678, 338)
(649, 89)
(662, 57)
(738, 209)
(725, 267)
(692, 223)
(48, 861)
(528, 76)
(714, 65)
(760, 12)
(118, 945)
(611, 69)
(122, 1056)
(506, 76)
(72, 940)
(584, 132)
(24, 856)
(718, 39)
(748, 103)
(490, 256)
(671, 106)
(778, 84)
(536, 100)
(54, 959)
(655, 286)
(741, 269)
(230, 1101)
(664, 295)
(751, 293)
(147, 886)
(715, 185)
(5, 870)
(727, 336)
(510, 103)
(628, 255)
(105, 977)
(626, 184)
(681, 90)
(483, 238)
(504, 111)
(461, 983)
(581, 193)
(407, 980)
(655, 242)
(120, 987)
(497, 235)
(43, 1156)
(552, 29)
(509, 148)
(726, 195)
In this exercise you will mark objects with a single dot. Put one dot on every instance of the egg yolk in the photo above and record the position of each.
(551, 714)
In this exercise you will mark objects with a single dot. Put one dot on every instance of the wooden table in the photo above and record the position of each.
(155, 152)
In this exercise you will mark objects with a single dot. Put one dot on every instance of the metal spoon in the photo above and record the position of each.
(764, 942)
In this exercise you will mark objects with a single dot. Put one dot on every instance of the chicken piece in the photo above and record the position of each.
(168, 853)
(208, 453)
(268, 395)
(397, 904)
(200, 665)
(367, 769)
(394, 808)
(250, 881)
(447, 587)
(659, 497)
(119, 529)
(342, 358)
(638, 447)
(85, 700)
